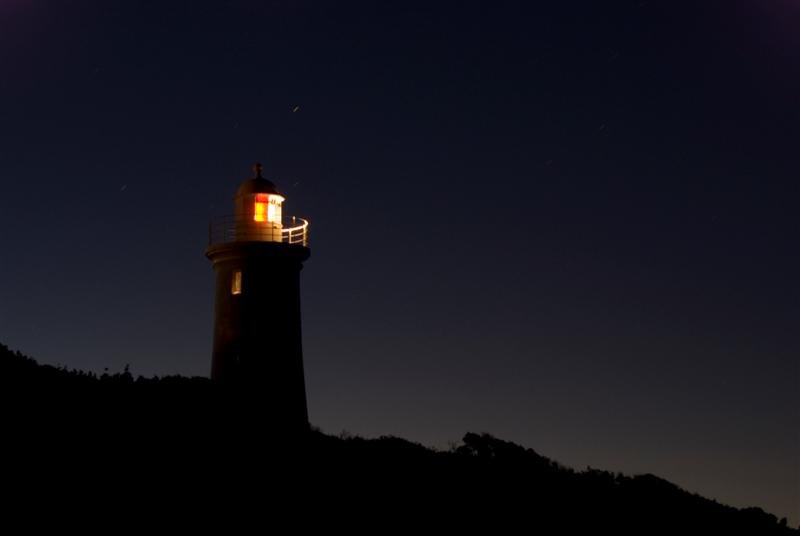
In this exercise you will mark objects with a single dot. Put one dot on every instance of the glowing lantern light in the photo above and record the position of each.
(268, 208)
(274, 209)
(261, 207)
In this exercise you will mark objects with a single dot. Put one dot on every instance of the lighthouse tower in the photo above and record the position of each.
(257, 260)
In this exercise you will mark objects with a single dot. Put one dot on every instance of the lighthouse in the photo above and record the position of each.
(257, 256)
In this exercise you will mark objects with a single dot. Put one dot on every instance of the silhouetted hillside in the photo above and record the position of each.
(188, 439)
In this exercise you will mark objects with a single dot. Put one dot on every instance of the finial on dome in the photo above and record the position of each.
(257, 168)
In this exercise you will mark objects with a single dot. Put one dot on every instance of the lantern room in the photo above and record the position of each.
(258, 209)
(258, 216)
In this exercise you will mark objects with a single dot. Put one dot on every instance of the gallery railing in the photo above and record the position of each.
(224, 229)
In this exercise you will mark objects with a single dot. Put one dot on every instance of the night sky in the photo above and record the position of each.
(573, 225)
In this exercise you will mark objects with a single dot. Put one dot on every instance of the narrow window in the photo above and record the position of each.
(272, 210)
(236, 282)
(261, 207)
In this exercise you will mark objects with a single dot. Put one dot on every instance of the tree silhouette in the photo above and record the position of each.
(190, 437)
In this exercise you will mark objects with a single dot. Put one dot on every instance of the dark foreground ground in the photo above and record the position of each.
(79, 446)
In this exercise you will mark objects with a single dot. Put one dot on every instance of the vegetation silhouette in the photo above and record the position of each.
(191, 439)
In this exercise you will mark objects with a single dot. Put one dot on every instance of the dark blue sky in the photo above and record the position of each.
(571, 224)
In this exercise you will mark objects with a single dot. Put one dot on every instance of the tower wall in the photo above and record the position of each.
(257, 333)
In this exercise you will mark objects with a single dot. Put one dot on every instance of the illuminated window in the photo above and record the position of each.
(273, 210)
(262, 200)
(236, 283)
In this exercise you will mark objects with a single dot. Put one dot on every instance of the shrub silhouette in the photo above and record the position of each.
(189, 437)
